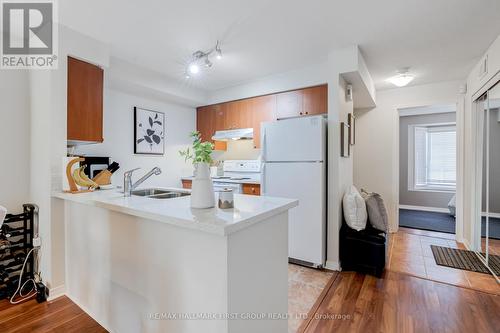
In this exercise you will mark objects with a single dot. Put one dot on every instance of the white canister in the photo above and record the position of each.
(213, 171)
(226, 199)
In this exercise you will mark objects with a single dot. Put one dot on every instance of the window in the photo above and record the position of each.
(432, 157)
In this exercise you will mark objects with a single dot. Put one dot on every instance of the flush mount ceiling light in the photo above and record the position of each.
(201, 59)
(402, 78)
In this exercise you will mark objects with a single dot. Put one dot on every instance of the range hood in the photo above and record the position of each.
(236, 134)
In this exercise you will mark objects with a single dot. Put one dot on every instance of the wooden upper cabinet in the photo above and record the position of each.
(263, 109)
(315, 100)
(289, 104)
(220, 117)
(252, 112)
(205, 123)
(302, 102)
(232, 115)
(208, 120)
(84, 102)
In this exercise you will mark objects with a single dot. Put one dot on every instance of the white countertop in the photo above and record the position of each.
(227, 180)
(249, 209)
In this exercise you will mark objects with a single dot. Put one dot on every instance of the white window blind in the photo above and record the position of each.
(434, 158)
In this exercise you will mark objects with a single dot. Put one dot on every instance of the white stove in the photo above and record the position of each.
(237, 172)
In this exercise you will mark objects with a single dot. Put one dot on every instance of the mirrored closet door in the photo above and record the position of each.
(487, 226)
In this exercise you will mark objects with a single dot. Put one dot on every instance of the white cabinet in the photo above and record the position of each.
(487, 67)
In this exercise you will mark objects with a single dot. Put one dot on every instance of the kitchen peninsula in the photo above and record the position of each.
(138, 264)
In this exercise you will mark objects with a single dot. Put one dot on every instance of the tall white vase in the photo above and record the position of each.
(202, 192)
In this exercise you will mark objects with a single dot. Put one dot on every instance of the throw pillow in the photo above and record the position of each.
(354, 209)
(377, 214)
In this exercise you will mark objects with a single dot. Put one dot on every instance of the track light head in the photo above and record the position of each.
(202, 59)
(194, 68)
(208, 63)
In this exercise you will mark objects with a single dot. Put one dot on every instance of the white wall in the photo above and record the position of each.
(340, 169)
(238, 150)
(377, 138)
(48, 146)
(15, 138)
(466, 119)
(119, 138)
(303, 77)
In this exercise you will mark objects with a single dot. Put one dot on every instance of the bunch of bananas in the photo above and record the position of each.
(81, 179)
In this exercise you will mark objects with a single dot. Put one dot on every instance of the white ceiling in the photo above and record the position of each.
(440, 39)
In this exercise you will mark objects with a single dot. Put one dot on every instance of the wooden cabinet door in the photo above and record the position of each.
(263, 109)
(84, 101)
(315, 100)
(205, 123)
(289, 104)
(232, 115)
(251, 189)
(219, 117)
(247, 108)
(238, 114)
(209, 120)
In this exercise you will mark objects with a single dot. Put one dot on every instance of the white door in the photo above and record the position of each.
(297, 139)
(304, 181)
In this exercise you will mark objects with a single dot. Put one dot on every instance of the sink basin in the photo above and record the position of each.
(169, 195)
(149, 192)
(157, 193)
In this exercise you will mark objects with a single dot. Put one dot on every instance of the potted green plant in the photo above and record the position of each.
(202, 192)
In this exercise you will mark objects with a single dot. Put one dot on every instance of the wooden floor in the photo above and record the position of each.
(399, 302)
(411, 253)
(59, 316)
(411, 296)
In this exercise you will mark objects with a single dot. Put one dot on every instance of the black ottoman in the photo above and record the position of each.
(362, 251)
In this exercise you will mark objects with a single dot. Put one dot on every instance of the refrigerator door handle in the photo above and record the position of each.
(263, 179)
(263, 143)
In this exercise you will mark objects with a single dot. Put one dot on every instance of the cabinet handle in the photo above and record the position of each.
(307, 112)
(301, 113)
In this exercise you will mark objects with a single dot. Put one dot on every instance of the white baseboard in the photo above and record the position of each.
(440, 210)
(425, 209)
(56, 292)
(466, 244)
(84, 308)
(332, 265)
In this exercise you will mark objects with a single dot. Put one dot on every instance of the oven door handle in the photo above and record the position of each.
(237, 188)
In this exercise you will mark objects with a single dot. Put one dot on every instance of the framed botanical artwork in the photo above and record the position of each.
(351, 121)
(345, 149)
(149, 132)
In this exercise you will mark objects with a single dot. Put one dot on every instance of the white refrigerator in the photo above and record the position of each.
(294, 166)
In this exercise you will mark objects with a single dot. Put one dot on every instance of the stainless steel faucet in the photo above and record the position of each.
(128, 187)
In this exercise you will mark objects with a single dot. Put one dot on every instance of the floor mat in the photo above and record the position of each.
(441, 222)
(464, 259)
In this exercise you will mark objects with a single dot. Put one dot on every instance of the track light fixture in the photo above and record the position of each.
(201, 59)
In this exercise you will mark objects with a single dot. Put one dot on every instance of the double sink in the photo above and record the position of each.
(157, 193)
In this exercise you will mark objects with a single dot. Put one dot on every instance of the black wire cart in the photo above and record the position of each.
(16, 240)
